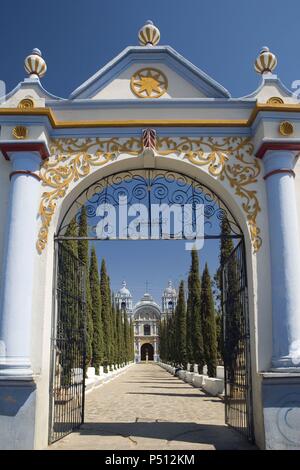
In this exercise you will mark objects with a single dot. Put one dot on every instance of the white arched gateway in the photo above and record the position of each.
(150, 114)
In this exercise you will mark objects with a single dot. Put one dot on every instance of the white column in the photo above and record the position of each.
(285, 257)
(18, 270)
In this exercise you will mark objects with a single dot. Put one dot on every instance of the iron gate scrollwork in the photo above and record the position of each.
(67, 382)
(149, 187)
(238, 409)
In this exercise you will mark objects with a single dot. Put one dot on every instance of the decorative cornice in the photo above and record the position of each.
(227, 158)
(7, 147)
(58, 124)
(276, 146)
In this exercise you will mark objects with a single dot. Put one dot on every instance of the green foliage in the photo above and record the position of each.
(71, 231)
(70, 321)
(131, 346)
(83, 255)
(105, 315)
(126, 337)
(122, 339)
(194, 301)
(120, 345)
(180, 351)
(189, 326)
(208, 323)
(97, 341)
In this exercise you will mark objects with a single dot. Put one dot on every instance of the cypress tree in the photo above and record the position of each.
(195, 312)
(122, 339)
(208, 323)
(119, 334)
(131, 358)
(114, 333)
(72, 231)
(112, 329)
(226, 247)
(161, 340)
(97, 341)
(105, 315)
(189, 327)
(180, 328)
(69, 320)
(83, 255)
(126, 346)
(232, 332)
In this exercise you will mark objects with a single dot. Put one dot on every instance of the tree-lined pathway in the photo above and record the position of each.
(147, 408)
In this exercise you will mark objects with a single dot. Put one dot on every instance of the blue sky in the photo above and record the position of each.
(78, 37)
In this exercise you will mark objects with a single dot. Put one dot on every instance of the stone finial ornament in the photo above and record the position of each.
(149, 34)
(265, 62)
(35, 65)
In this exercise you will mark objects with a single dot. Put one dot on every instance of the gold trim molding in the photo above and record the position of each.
(57, 124)
(228, 158)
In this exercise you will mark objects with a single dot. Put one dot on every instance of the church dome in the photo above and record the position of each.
(124, 292)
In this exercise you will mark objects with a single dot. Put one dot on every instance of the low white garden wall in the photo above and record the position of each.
(212, 385)
(93, 381)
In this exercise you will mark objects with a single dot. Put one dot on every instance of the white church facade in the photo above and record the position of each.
(150, 115)
(146, 316)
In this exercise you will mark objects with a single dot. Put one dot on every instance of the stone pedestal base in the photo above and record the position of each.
(281, 402)
(17, 414)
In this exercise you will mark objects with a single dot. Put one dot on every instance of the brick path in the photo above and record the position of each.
(147, 408)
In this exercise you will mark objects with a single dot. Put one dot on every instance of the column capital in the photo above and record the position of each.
(9, 147)
(277, 146)
(279, 161)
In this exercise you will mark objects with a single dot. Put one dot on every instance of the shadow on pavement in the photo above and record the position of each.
(219, 436)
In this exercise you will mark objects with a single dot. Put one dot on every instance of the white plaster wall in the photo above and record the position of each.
(273, 89)
(27, 90)
(178, 87)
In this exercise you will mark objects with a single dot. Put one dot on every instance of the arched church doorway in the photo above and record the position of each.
(147, 352)
(144, 187)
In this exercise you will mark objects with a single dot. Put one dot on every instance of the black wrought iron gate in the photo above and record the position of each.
(238, 401)
(67, 381)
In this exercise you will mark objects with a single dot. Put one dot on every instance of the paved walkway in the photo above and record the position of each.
(147, 408)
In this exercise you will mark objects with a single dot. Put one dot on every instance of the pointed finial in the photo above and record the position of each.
(265, 62)
(149, 34)
(124, 283)
(35, 65)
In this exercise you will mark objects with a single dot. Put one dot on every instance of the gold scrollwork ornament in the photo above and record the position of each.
(229, 158)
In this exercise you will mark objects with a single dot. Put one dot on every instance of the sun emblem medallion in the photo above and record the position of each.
(149, 83)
